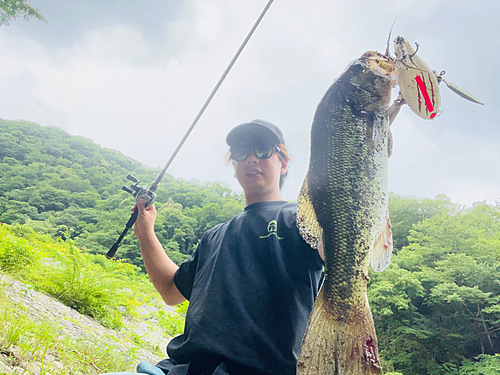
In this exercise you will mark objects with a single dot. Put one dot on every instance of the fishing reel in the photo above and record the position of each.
(139, 192)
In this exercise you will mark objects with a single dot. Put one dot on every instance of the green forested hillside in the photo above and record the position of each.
(53, 181)
(436, 308)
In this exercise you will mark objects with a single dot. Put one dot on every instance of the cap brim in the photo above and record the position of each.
(251, 133)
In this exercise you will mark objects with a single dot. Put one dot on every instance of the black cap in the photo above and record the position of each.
(256, 131)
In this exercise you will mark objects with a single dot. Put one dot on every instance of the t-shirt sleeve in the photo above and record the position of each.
(184, 277)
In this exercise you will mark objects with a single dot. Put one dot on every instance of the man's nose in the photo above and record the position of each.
(252, 159)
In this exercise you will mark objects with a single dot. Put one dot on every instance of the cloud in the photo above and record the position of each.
(134, 79)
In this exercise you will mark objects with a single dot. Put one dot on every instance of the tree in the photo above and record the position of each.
(50, 178)
(439, 301)
(11, 9)
(406, 211)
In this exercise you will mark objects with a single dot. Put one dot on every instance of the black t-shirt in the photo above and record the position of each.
(251, 284)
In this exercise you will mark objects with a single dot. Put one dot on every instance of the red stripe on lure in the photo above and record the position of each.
(423, 90)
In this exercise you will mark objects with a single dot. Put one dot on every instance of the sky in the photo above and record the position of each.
(132, 76)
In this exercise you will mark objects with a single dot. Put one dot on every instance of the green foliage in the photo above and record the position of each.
(483, 365)
(51, 179)
(11, 9)
(89, 283)
(81, 285)
(437, 303)
(406, 211)
(15, 253)
(173, 324)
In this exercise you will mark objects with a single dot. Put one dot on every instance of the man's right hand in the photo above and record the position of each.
(160, 268)
(144, 225)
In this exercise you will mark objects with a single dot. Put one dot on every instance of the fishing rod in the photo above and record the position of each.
(148, 194)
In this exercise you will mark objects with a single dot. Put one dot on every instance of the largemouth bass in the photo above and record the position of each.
(343, 205)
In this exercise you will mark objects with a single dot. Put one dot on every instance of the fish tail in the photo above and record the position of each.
(336, 346)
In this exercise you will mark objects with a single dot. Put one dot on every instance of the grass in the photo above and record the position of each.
(173, 324)
(105, 290)
(28, 342)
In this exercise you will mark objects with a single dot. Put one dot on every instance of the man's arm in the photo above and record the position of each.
(159, 266)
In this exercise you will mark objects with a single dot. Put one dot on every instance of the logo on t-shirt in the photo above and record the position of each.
(272, 228)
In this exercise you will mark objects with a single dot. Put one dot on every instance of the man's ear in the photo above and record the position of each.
(284, 167)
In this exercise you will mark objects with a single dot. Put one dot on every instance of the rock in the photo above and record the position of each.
(71, 324)
(57, 364)
(4, 369)
(19, 371)
(35, 368)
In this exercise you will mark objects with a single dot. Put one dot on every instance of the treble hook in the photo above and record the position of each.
(414, 53)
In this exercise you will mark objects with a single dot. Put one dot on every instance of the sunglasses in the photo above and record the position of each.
(259, 152)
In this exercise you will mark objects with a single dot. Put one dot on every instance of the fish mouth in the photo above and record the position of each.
(380, 64)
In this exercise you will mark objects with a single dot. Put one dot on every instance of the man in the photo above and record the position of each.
(251, 282)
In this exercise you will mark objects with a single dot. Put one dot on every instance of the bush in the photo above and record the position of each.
(485, 365)
(15, 253)
(91, 284)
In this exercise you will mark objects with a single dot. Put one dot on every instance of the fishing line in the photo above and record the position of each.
(142, 192)
(212, 94)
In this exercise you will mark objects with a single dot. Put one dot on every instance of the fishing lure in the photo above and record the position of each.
(418, 84)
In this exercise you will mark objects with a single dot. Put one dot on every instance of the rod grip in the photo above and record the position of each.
(130, 223)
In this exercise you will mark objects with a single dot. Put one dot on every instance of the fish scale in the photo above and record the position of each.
(343, 205)
(339, 242)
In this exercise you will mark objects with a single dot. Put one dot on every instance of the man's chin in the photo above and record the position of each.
(255, 188)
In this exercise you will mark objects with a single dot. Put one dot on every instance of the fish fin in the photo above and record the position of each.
(389, 143)
(307, 222)
(334, 345)
(382, 247)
